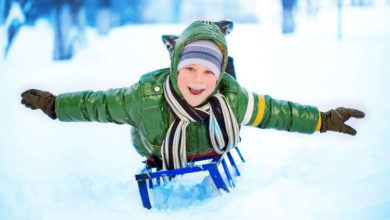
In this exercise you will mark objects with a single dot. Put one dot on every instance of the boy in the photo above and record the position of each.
(191, 108)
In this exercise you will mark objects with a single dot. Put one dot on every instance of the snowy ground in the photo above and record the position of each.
(53, 170)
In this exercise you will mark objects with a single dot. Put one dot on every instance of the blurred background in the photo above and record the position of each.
(69, 19)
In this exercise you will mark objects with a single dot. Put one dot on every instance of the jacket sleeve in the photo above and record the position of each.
(114, 105)
(266, 112)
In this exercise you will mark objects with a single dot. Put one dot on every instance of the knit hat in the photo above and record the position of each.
(202, 52)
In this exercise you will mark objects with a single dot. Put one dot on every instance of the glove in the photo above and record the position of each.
(333, 120)
(37, 99)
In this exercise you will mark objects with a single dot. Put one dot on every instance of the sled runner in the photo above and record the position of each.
(152, 174)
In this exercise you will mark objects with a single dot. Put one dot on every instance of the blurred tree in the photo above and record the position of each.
(69, 27)
(80, 20)
(312, 7)
(361, 2)
(103, 18)
(288, 21)
(33, 9)
(177, 5)
(14, 22)
(2, 11)
(62, 25)
(133, 12)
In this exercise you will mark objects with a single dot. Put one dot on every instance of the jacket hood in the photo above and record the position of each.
(196, 31)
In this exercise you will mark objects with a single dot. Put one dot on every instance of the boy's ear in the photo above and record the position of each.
(225, 26)
(169, 42)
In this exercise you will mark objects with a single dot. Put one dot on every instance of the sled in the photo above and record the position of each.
(152, 174)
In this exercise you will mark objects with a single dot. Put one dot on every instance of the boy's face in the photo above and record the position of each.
(196, 83)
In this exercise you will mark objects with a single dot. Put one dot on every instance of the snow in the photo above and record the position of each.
(53, 170)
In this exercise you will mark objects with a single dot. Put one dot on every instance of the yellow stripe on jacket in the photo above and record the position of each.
(319, 122)
(260, 111)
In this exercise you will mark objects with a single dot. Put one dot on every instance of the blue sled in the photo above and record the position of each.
(145, 178)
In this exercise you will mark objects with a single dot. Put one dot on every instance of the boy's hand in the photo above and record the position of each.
(37, 99)
(333, 120)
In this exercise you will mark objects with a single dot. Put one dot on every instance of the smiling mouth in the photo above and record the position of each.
(195, 91)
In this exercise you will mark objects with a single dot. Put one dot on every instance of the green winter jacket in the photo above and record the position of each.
(143, 105)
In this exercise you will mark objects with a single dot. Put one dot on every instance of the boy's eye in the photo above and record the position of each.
(190, 68)
(209, 72)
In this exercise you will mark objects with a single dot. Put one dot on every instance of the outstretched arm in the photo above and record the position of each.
(266, 112)
(255, 110)
(113, 105)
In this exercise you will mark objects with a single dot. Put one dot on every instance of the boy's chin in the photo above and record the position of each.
(194, 102)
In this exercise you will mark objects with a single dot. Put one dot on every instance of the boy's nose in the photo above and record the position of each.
(197, 78)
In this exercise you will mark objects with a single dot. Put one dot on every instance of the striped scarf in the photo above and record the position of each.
(222, 133)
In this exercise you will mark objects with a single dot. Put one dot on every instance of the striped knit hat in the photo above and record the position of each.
(202, 52)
